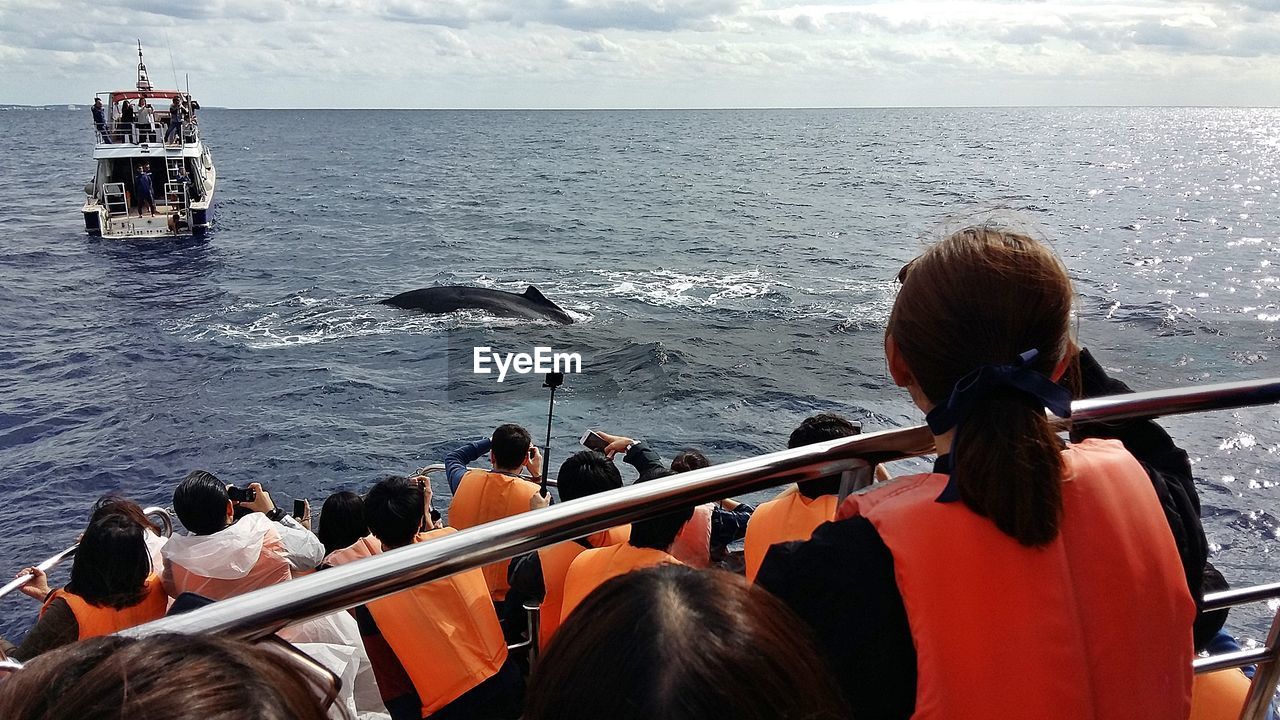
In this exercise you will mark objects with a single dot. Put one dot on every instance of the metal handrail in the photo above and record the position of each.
(265, 611)
(166, 529)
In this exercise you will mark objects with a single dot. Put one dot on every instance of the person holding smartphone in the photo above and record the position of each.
(481, 496)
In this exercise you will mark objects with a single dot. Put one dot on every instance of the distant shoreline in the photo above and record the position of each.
(81, 107)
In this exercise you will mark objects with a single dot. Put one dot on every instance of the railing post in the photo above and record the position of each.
(1263, 688)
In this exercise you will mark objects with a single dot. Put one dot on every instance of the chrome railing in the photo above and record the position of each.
(265, 611)
(165, 526)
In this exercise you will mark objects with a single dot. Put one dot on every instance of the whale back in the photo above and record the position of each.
(531, 303)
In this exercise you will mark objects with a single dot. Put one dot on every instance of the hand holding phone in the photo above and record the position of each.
(241, 495)
(593, 441)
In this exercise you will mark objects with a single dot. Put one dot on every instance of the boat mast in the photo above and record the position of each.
(144, 82)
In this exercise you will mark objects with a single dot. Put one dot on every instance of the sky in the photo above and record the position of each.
(648, 53)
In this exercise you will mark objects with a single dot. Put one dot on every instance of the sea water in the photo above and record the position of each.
(730, 271)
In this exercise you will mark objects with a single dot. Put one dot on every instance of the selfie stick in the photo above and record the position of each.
(553, 381)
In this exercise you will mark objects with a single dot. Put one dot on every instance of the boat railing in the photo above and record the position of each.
(262, 612)
(139, 133)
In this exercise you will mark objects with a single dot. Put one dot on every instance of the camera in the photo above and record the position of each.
(241, 495)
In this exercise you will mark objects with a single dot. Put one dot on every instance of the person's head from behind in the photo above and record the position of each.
(394, 509)
(687, 460)
(201, 502)
(179, 677)
(112, 562)
(510, 448)
(815, 429)
(682, 644)
(659, 532)
(342, 521)
(97, 102)
(587, 472)
(983, 297)
(820, 428)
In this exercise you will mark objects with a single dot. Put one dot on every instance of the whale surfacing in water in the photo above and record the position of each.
(530, 304)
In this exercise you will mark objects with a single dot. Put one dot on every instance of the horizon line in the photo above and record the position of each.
(709, 108)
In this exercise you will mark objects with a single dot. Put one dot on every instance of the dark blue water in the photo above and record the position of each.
(731, 273)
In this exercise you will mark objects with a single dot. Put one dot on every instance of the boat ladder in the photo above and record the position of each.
(113, 198)
(175, 195)
(171, 166)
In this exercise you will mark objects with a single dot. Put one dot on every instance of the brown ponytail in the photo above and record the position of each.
(982, 297)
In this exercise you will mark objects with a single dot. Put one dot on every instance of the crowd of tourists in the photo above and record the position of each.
(1028, 575)
(127, 123)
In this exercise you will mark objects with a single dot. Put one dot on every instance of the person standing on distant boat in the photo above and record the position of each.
(100, 120)
(143, 193)
(175, 122)
(146, 119)
(127, 117)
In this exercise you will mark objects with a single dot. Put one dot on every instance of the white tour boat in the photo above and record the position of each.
(160, 147)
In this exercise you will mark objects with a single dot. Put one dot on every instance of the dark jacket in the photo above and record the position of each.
(842, 583)
(55, 628)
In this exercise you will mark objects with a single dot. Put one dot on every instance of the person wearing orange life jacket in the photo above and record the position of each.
(342, 521)
(540, 576)
(112, 584)
(799, 509)
(649, 545)
(1020, 578)
(481, 496)
(711, 527)
(437, 649)
(704, 541)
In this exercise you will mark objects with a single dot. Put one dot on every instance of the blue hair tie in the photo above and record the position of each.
(978, 384)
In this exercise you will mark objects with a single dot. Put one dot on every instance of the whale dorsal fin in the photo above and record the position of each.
(533, 294)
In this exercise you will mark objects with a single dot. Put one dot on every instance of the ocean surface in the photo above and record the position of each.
(730, 271)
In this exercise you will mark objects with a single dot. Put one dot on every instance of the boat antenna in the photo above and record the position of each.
(144, 82)
(173, 67)
(553, 381)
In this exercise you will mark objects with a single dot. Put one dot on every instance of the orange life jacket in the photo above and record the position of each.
(1219, 695)
(1007, 631)
(366, 546)
(790, 516)
(484, 497)
(555, 561)
(591, 568)
(444, 633)
(693, 544)
(94, 620)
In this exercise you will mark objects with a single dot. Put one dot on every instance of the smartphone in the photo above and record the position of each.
(241, 495)
(299, 509)
(533, 451)
(592, 440)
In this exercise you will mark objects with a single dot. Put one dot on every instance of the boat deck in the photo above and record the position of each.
(135, 225)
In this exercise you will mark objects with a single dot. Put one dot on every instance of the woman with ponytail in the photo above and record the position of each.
(1025, 577)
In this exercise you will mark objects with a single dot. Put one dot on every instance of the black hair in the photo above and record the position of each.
(682, 644)
(815, 429)
(342, 521)
(688, 460)
(112, 677)
(112, 564)
(201, 502)
(587, 472)
(510, 447)
(394, 510)
(661, 531)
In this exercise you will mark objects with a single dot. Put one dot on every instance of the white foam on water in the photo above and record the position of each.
(280, 324)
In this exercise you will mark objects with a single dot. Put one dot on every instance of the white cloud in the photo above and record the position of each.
(661, 53)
